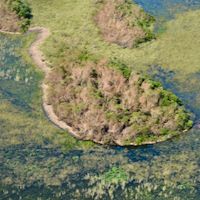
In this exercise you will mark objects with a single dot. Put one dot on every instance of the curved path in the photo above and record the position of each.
(36, 55)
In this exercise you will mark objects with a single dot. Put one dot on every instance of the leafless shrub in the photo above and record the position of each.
(118, 26)
(8, 19)
(99, 102)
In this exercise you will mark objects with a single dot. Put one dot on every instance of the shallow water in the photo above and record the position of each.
(38, 161)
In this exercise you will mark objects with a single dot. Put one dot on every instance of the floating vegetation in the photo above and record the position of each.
(75, 157)
(114, 175)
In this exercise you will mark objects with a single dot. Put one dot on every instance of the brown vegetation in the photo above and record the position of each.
(124, 23)
(99, 103)
(9, 20)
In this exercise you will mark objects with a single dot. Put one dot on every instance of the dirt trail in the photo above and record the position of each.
(36, 55)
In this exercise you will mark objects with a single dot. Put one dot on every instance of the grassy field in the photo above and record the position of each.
(71, 24)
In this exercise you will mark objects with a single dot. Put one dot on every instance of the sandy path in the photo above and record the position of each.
(36, 55)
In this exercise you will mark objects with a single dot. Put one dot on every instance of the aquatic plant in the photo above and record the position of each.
(114, 175)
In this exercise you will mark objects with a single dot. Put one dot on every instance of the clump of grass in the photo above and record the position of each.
(168, 97)
(124, 23)
(121, 66)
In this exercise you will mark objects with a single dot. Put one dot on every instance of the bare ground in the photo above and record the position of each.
(36, 55)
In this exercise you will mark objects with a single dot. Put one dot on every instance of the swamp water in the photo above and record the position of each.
(39, 161)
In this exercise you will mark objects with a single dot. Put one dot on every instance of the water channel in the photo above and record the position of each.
(40, 161)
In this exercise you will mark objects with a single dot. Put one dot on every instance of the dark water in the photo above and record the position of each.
(39, 161)
(167, 9)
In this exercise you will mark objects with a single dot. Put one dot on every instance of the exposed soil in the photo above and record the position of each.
(36, 55)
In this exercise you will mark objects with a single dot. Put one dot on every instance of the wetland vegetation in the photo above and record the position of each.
(102, 100)
(39, 161)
